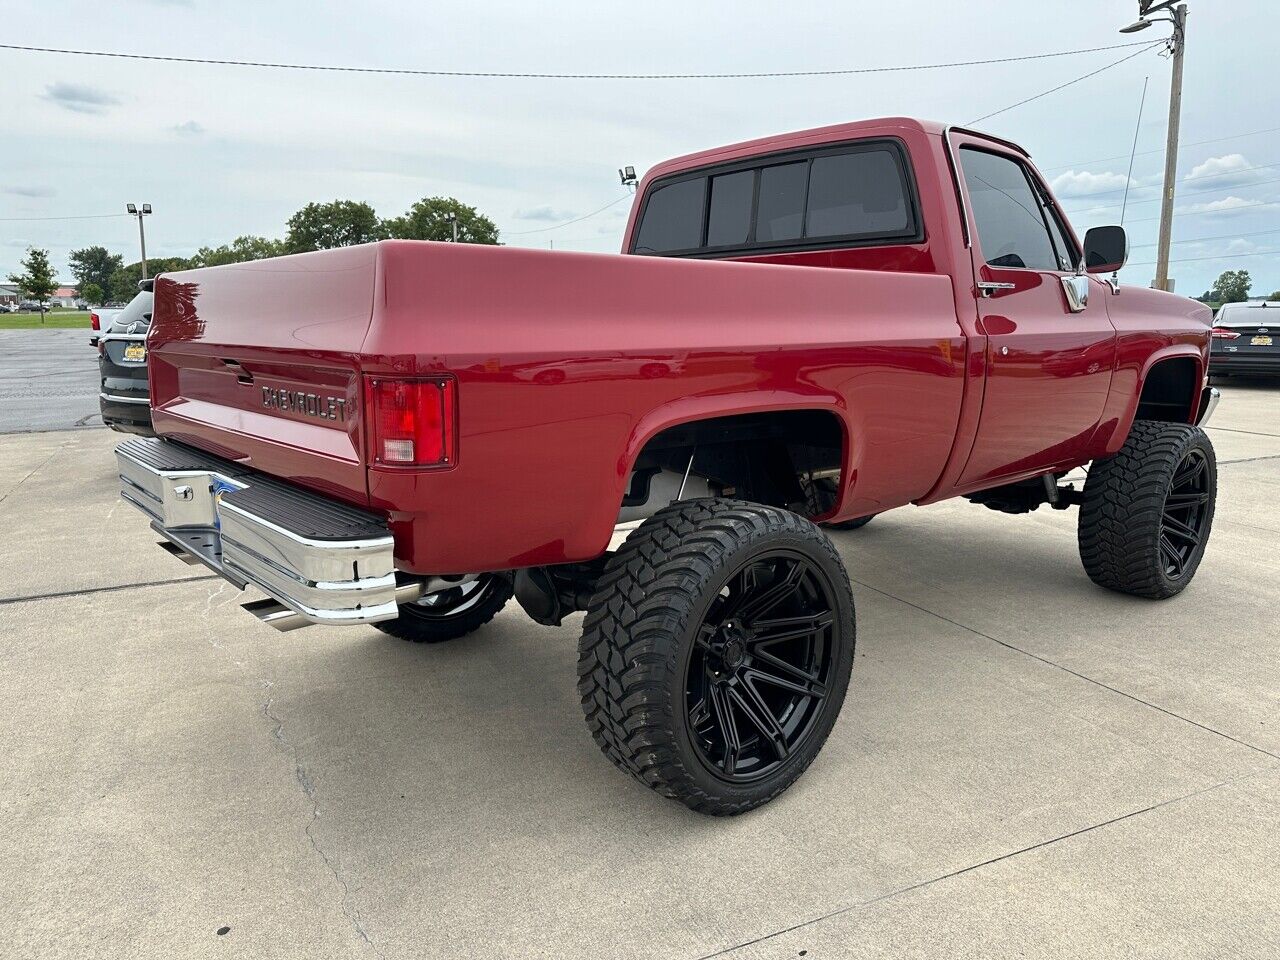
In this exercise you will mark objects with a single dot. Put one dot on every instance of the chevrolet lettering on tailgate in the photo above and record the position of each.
(310, 404)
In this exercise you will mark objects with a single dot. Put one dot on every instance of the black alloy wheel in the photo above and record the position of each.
(1186, 512)
(760, 666)
(452, 613)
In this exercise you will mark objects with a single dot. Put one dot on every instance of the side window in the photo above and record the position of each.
(729, 222)
(781, 212)
(1067, 253)
(1007, 211)
(673, 217)
(857, 193)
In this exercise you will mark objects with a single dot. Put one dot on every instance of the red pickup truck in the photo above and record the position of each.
(803, 332)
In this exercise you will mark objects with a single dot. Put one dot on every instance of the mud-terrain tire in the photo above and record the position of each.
(1148, 510)
(450, 614)
(711, 612)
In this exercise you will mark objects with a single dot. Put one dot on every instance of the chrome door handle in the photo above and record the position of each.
(988, 287)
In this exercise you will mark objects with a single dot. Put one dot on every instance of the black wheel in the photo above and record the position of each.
(452, 613)
(1148, 510)
(716, 652)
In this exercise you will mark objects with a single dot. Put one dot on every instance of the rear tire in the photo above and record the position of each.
(716, 652)
(820, 498)
(452, 613)
(1148, 510)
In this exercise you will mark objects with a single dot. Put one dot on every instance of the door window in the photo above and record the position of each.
(1008, 212)
(673, 217)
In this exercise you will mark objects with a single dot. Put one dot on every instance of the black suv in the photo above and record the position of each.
(122, 360)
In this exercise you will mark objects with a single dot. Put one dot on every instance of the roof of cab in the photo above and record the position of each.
(804, 138)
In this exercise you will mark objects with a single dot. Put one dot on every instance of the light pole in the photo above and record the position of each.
(142, 235)
(451, 218)
(1177, 45)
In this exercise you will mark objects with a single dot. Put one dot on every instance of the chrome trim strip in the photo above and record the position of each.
(116, 398)
(1208, 403)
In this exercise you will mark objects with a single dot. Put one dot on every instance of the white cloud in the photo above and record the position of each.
(1227, 170)
(1073, 184)
(190, 128)
(1229, 205)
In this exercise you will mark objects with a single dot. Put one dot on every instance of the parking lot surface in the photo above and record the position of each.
(48, 380)
(1026, 765)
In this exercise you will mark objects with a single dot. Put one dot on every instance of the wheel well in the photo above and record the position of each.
(771, 458)
(1170, 391)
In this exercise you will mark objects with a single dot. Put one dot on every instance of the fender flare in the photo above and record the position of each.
(692, 409)
(1171, 352)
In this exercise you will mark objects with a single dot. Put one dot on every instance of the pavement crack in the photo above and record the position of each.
(85, 591)
(1075, 673)
(1274, 456)
(952, 874)
(308, 787)
(34, 470)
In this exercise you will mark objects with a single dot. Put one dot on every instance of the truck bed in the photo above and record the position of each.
(566, 363)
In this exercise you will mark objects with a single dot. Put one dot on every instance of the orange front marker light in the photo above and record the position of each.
(412, 422)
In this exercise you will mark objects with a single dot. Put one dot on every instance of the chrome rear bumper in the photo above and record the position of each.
(322, 561)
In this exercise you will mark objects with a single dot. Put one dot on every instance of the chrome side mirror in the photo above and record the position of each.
(1105, 249)
(1076, 288)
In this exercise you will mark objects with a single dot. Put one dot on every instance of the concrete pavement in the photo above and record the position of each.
(1026, 765)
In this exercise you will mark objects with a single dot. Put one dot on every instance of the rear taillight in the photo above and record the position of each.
(94, 323)
(413, 422)
(1223, 333)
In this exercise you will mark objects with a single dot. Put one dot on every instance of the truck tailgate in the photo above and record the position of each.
(258, 363)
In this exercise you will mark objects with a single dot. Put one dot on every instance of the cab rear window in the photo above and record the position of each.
(858, 194)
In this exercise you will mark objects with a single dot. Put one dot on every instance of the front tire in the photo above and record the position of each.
(452, 613)
(716, 652)
(1148, 510)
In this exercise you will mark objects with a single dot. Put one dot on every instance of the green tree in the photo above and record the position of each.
(1231, 287)
(36, 279)
(1275, 296)
(94, 265)
(425, 220)
(124, 282)
(240, 250)
(323, 226)
(93, 294)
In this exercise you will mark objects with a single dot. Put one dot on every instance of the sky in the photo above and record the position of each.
(224, 151)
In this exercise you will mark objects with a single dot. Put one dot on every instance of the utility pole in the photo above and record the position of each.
(135, 211)
(1171, 149)
(1177, 45)
(452, 219)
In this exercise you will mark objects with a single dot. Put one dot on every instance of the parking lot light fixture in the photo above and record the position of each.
(132, 209)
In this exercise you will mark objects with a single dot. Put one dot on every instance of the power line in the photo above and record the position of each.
(1203, 176)
(1225, 256)
(557, 226)
(87, 216)
(1062, 86)
(1211, 189)
(1221, 236)
(1145, 153)
(1201, 213)
(563, 76)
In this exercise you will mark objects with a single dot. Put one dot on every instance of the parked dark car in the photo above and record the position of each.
(122, 360)
(1246, 339)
